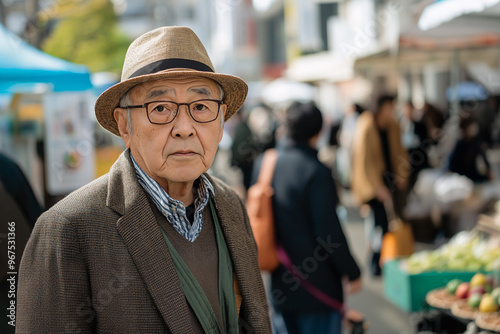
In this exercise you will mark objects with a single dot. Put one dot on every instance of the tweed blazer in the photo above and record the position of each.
(97, 262)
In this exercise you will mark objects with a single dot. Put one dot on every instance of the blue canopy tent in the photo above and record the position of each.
(22, 65)
(23, 69)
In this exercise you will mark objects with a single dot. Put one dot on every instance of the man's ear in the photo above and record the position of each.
(122, 120)
(222, 115)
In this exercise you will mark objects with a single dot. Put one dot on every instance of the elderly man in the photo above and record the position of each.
(156, 245)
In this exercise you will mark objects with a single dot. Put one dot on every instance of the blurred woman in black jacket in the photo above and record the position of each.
(468, 157)
(308, 229)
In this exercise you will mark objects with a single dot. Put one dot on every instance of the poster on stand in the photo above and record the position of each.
(69, 141)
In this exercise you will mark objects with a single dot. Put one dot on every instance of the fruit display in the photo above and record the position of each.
(444, 276)
(473, 300)
(466, 251)
(478, 293)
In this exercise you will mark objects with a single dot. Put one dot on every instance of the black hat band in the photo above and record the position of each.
(166, 64)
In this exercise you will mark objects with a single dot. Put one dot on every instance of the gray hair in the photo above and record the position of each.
(126, 101)
(221, 97)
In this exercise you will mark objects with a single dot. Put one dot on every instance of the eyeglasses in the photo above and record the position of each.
(164, 112)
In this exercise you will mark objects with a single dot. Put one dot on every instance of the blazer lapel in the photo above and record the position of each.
(142, 236)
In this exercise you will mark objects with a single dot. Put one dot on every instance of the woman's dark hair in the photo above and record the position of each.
(303, 120)
(358, 108)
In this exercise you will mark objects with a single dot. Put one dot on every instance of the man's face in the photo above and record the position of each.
(181, 150)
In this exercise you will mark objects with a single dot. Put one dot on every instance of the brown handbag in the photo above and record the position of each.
(260, 211)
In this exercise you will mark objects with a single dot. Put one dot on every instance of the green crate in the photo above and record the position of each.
(407, 291)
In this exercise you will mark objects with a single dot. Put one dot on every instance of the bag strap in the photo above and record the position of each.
(267, 167)
(312, 289)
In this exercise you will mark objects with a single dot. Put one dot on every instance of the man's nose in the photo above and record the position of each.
(183, 123)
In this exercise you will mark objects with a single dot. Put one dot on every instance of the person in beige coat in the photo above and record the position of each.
(156, 245)
(380, 168)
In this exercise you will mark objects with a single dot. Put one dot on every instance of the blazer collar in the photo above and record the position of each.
(142, 236)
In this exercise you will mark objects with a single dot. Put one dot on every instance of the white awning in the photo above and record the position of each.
(283, 91)
(444, 11)
(321, 66)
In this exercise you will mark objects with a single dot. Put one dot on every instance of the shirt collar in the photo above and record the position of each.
(174, 210)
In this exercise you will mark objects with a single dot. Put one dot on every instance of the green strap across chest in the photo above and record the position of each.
(194, 293)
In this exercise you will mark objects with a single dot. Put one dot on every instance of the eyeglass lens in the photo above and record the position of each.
(162, 112)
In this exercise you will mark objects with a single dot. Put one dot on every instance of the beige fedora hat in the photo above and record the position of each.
(167, 52)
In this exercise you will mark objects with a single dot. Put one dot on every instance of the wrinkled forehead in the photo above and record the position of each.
(171, 87)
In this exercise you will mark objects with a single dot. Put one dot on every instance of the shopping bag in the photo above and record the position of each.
(399, 240)
(260, 212)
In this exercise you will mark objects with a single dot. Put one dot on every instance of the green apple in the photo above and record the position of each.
(495, 293)
(474, 300)
(453, 285)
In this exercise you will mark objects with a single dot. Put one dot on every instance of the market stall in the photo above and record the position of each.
(457, 285)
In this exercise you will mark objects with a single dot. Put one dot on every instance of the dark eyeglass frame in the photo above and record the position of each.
(145, 106)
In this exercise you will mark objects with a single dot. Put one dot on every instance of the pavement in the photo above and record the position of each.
(383, 317)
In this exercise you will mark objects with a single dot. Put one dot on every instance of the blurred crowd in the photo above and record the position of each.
(431, 167)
